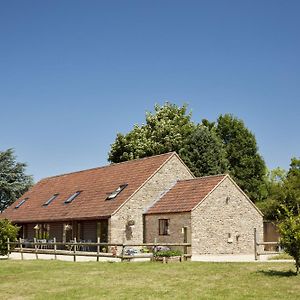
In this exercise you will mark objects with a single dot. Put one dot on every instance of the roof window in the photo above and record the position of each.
(115, 193)
(71, 198)
(50, 200)
(21, 203)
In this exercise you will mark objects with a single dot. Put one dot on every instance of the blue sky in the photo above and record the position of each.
(74, 73)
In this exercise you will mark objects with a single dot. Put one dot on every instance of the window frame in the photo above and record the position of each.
(72, 197)
(21, 203)
(116, 192)
(51, 199)
(164, 226)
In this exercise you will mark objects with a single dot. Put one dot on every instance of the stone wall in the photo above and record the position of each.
(137, 205)
(224, 223)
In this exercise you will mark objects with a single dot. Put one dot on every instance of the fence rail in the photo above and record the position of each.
(257, 254)
(76, 249)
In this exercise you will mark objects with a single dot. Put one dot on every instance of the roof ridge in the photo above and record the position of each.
(202, 177)
(106, 166)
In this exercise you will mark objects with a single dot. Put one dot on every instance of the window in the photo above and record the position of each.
(163, 226)
(21, 203)
(71, 198)
(115, 193)
(50, 200)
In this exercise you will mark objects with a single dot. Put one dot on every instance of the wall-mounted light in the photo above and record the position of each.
(229, 239)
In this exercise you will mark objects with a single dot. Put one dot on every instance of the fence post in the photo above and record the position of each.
(98, 248)
(35, 248)
(21, 248)
(185, 252)
(8, 247)
(154, 249)
(122, 252)
(54, 241)
(255, 244)
(75, 246)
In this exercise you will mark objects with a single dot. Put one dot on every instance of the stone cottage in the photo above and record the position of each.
(154, 198)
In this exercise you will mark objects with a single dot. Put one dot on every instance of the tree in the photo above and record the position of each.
(289, 229)
(283, 191)
(13, 180)
(165, 130)
(203, 153)
(246, 166)
(168, 129)
(7, 230)
(275, 189)
(292, 187)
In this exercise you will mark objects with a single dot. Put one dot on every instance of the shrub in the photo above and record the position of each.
(289, 229)
(168, 253)
(7, 230)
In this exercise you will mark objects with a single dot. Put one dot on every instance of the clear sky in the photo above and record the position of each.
(74, 73)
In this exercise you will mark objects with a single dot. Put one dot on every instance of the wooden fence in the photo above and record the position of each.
(257, 243)
(75, 249)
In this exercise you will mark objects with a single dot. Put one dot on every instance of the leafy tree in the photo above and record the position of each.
(7, 230)
(292, 187)
(204, 153)
(283, 191)
(170, 128)
(294, 167)
(246, 166)
(274, 184)
(289, 229)
(165, 130)
(13, 180)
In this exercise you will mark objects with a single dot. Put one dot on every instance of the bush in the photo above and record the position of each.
(7, 230)
(289, 229)
(168, 253)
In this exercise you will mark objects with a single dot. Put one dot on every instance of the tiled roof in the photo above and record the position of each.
(95, 185)
(185, 195)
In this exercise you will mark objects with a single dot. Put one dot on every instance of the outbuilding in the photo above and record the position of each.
(154, 198)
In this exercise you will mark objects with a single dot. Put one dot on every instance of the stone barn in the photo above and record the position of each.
(154, 198)
(212, 213)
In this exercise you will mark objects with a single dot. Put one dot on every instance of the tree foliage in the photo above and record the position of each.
(7, 230)
(168, 129)
(274, 183)
(204, 153)
(165, 130)
(292, 187)
(283, 191)
(13, 180)
(208, 148)
(289, 229)
(246, 165)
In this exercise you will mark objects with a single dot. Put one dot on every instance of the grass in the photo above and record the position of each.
(189, 280)
(281, 256)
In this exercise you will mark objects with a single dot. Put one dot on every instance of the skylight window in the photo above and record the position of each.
(71, 198)
(21, 203)
(50, 200)
(115, 193)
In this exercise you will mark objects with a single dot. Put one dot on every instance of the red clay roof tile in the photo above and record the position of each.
(95, 185)
(185, 195)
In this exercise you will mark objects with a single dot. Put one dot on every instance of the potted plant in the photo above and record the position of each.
(167, 256)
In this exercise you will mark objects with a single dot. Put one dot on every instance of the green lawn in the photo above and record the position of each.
(190, 280)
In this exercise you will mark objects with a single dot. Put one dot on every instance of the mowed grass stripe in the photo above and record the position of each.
(190, 280)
